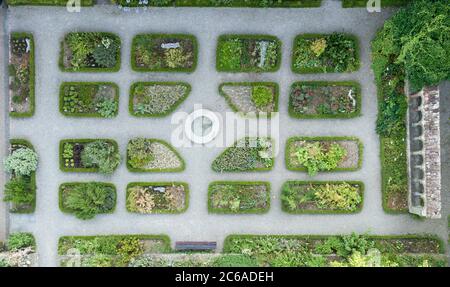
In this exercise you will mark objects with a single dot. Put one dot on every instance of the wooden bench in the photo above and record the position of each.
(195, 245)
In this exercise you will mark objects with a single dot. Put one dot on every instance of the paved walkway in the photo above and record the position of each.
(48, 126)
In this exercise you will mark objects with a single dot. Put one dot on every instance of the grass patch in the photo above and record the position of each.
(324, 100)
(239, 197)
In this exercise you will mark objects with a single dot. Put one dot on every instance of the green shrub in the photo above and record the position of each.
(139, 151)
(101, 154)
(261, 96)
(19, 240)
(19, 190)
(315, 157)
(107, 108)
(129, 248)
(231, 260)
(22, 161)
(230, 54)
(343, 197)
(105, 54)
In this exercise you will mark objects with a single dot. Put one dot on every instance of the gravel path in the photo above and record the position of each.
(48, 126)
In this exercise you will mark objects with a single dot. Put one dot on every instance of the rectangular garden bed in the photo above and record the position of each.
(231, 3)
(90, 52)
(363, 3)
(46, 2)
(351, 158)
(71, 154)
(317, 100)
(248, 53)
(157, 197)
(89, 99)
(156, 99)
(237, 197)
(21, 75)
(322, 196)
(164, 53)
(251, 98)
(325, 53)
(87, 199)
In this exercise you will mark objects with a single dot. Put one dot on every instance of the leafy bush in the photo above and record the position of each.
(19, 190)
(230, 54)
(231, 260)
(22, 161)
(107, 108)
(105, 54)
(101, 154)
(343, 197)
(317, 157)
(261, 96)
(19, 240)
(129, 248)
(139, 152)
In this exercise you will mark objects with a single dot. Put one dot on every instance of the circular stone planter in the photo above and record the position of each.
(202, 126)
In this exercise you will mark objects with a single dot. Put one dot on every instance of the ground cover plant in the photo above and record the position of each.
(221, 3)
(310, 100)
(89, 99)
(46, 2)
(21, 164)
(110, 250)
(153, 155)
(352, 250)
(247, 154)
(164, 53)
(21, 75)
(157, 197)
(89, 155)
(322, 196)
(87, 199)
(19, 250)
(251, 98)
(90, 52)
(248, 53)
(156, 99)
(315, 154)
(194, 260)
(235, 197)
(327, 53)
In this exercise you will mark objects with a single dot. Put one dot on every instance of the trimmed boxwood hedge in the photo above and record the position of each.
(324, 211)
(251, 84)
(46, 2)
(65, 209)
(86, 115)
(256, 37)
(294, 139)
(62, 167)
(173, 107)
(151, 35)
(231, 4)
(32, 77)
(254, 210)
(161, 211)
(354, 114)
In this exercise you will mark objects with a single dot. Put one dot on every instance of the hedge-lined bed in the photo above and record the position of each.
(251, 98)
(164, 53)
(110, 250)
(322, 197)
(247, 154)
(90, 52)
(156, 99)
(325, 53)
(248, 53)
(220, 3)
(321, 100)
(363, 3)
(46, 2)
(89, 99)
(321, 154)
(157, 197)
(22, 75)
(87, 199)
(20, 190)
(238, 197)
(153, 155)
(88, 155)
(340, 250)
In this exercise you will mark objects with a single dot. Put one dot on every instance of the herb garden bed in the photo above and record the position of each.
(317, 100)
(326, 53)
(89, 99)
(247, 154)
(248, 53)
(21, 75)
(234, 197)
(88, 155)
(164, 53)
(157, 197)
(90, 52)
(20, 190)
(153, 155)
(232, 3)
(87, 199)
(322, 196)
(251, 99)
(157, 99)
(323, 154)
(110, 250)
